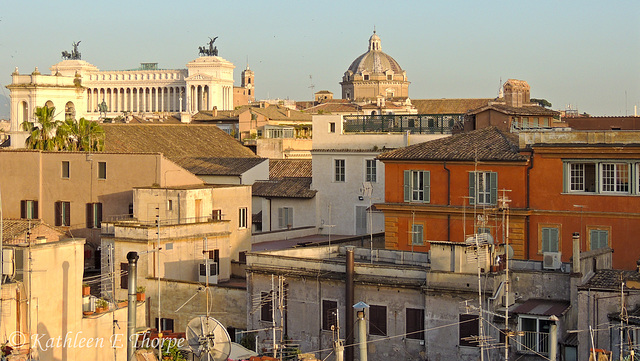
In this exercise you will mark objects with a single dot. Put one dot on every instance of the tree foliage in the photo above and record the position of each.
(73, 135)
(541, 102)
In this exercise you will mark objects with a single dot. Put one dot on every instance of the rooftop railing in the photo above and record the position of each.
(393, 123)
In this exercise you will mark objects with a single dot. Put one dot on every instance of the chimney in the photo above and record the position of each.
(132, 257)
(576, 253)
(350, 296)
(288, 113)
(215, 111)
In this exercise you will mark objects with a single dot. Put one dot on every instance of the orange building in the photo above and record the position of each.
(556, 183)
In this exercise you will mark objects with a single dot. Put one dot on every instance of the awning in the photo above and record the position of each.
(543, 307)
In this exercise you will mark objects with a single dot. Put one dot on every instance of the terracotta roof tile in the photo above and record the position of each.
(610, 279)
(190, 146)
(284, 168)
(448, 106)
(487, 144)
(524, 110)
(284, 188)
(15, 230)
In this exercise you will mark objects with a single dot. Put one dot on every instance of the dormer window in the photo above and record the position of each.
(366, 76)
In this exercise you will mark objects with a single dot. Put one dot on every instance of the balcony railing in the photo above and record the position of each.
(534, 342)
(392, 123)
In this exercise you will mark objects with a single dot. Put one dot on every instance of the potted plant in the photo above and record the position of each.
(101, 305)
(86, 289)
(140, 293)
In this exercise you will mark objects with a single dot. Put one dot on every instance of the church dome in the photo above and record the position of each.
(374, 60)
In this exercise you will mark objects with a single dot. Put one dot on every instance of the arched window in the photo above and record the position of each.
(69, 111)
(48, 104)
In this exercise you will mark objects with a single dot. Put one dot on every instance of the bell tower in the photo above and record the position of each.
(247, 82)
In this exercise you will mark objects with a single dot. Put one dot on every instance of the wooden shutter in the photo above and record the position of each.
(58, 213)
(280, 218)
(407, 185)
(89, 215)
(472, 188)
(124, 275)
(378, 320)
(23, 209)
(493, 183)
(98, 217)
(35, 210)
(426, 186)
(67, 213)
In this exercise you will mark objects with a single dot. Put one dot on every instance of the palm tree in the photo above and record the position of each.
(41, 131)
(81, 135)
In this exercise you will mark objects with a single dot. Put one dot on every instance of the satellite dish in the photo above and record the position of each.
(483, 238)
(208, 339)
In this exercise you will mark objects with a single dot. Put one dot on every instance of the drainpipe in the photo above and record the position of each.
(529, 177)
(131, 322)
(349, 304)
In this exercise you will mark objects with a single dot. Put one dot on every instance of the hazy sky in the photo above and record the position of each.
(584, 53)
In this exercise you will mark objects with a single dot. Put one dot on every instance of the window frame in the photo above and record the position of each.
(466, 327)
(65, 171)
(328, 318)
(371, 170)
(242, 217)
(62, 212)
(94, 215)
(417, 236)
(621, 181)
(490, 188)
(378, 320)
(339, 170)
(599, 229)
(266, 306)
(539, 345)
(541, 233)
(410, 328)
(102, 170)
(29, 209)
(285, 217)
(416, 183)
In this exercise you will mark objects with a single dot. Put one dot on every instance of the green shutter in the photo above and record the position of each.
(280, 218)
(565, 175)
(493, 183)
(472, 187)
(553, 240)
(426, 186)
(407, 185)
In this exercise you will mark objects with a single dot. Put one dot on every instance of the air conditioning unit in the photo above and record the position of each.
(212, 268)
(552, 260)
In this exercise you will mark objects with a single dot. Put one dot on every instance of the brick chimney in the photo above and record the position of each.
(576, 253)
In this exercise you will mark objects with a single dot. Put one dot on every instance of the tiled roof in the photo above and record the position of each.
(284, 188)
(610, 279)
(190, 146)
(205, 116)
(218, 166)
(333, 107)
(278, 112)
(448, 106)
(532, 110)
(15, 230)
(284, 168)
(487, 144)
(542, 307)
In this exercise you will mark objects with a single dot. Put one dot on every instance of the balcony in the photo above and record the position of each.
(392, 123)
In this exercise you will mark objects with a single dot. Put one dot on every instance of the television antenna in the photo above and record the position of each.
(208, 339)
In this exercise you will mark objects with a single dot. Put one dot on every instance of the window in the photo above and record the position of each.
(483, 188)
(242, 218)
(102, 170)
(94, 215)
(615, 177)
(65, 169)
(329, 314)
(598, 238)
(332, 127)
(600, 177)
(417, 234)
(215, 256)
(415, 324)
(378, 320)
(170, 205)
(339, 170)
(285, 217)
(549, 239)
(28, 209)
(165, 323)
(361, 220)
(366, 77)
(266, 307)
(62, 213)
(216, 214)
(389, 77)
(371, 171)
(417, 186)
(535, 335)
(124, 275)
(468, 330)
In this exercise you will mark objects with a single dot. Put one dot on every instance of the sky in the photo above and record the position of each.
(583, 54)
